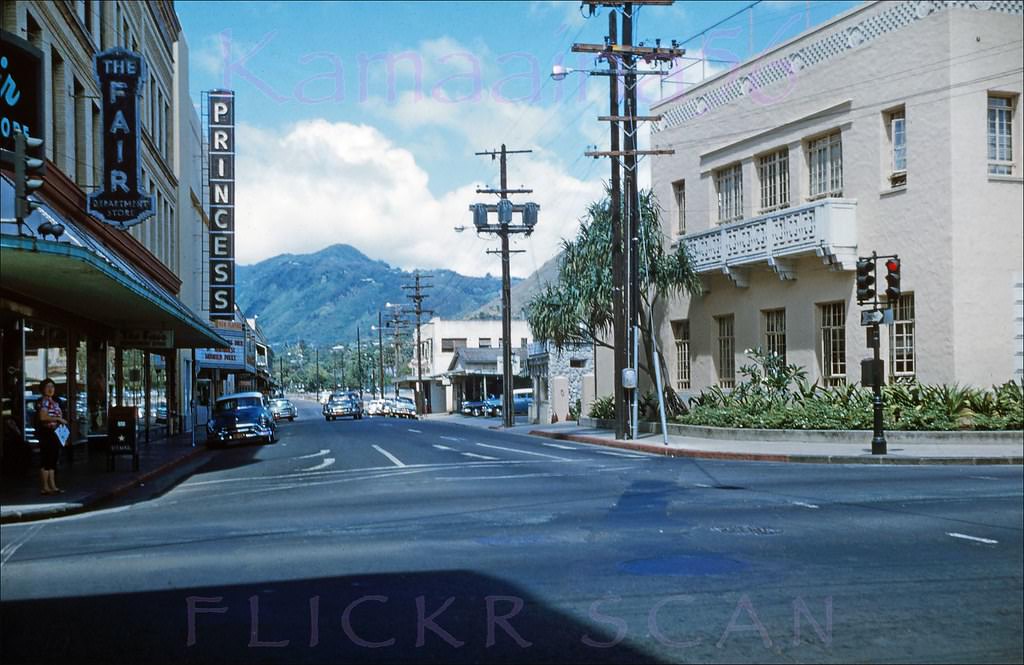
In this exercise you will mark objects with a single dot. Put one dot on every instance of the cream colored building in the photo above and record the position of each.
(68, 34)
(440, 338)
(895, 128)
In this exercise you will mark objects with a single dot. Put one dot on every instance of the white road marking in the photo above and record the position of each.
(520, 475)
(479, 456)
(559, 446)
(319, 454)
(391, 457)
(525, 452)
(987, 541)
(702, 485)
(7, 552)
(617, 454)
(415, 431)
(440, 447)
(328, 461)
(983, 477)
(451, 438)
(805, 505)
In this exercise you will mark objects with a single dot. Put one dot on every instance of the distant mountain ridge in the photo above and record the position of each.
(324, 296)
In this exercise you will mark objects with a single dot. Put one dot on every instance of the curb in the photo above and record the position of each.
(770, 457)
(91, 501)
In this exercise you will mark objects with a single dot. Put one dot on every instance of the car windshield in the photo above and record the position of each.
(225, 405)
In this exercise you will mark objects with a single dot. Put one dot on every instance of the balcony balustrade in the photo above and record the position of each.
(826, 228)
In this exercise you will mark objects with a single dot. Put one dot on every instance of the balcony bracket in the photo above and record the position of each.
(785, 269)
(739, 276)
(837, 259)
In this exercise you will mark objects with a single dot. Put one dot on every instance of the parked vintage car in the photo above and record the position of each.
(282, 408)
(342, 405)
(475, 407)
(522, 399)
(240, 417)
(375, 408)
(403, 407)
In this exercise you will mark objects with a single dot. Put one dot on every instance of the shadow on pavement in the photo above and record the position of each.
(438, 616)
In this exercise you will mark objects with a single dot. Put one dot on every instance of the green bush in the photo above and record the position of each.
(773, 395)
(603, 408)
(574, 409)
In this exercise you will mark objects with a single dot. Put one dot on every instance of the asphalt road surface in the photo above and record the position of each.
(413, 541)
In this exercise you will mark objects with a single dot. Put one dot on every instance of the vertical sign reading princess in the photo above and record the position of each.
(222, 204)
(120, 74)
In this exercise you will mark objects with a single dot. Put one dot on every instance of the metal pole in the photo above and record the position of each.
(318, 373)
(878, 444)
(618, 271)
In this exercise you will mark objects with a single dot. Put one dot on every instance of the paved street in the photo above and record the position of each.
(391, 540)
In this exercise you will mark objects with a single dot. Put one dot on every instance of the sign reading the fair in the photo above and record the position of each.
(222, 204)
(120, 74)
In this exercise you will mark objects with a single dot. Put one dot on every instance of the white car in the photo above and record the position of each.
(403, 407)
(375, 408)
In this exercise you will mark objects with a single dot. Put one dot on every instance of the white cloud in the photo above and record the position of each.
(320, 183)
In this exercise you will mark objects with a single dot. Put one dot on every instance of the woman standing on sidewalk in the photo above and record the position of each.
(48, 418)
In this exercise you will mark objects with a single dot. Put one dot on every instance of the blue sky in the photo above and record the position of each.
(333, 149)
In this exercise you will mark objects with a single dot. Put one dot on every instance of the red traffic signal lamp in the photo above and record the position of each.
(865, 279)
(892, 279)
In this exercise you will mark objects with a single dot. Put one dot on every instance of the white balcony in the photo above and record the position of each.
(826, 228)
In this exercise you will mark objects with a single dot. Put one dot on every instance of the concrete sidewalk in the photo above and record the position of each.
(856, 449)
(87, 484)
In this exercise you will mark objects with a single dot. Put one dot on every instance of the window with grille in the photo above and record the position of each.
(773, 172)
(449, 344)
(825, 165)
(901, 338)
(679, 195)
(898, 148)
(681, 332)
(1000, 135)
(729, 183)
(726, 351)
(833, 343)
(775, 332)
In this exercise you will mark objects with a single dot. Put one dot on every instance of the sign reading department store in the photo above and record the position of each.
(120, 74)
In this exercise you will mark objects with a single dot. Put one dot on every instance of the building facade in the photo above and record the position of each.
(893, 128)
(441, 338)
(111, 315)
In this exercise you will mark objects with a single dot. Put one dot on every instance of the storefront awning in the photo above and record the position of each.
(91, 284)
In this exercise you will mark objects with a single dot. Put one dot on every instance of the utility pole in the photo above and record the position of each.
(398, 323)
(318, 373)
(621, 60)
(505, 208)
(417, 297)
(380, 351)
(359, 364)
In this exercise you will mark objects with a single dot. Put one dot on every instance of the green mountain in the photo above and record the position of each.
(322, 297)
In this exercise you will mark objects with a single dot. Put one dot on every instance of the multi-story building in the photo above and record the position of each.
(894, 128)
(83, 307)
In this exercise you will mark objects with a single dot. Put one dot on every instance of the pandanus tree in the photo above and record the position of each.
(577, 308)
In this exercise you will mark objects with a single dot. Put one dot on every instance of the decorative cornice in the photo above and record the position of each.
(772, 68)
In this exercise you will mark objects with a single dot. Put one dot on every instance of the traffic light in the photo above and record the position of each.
(892, 279)
(865, 279)
(25, 165)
